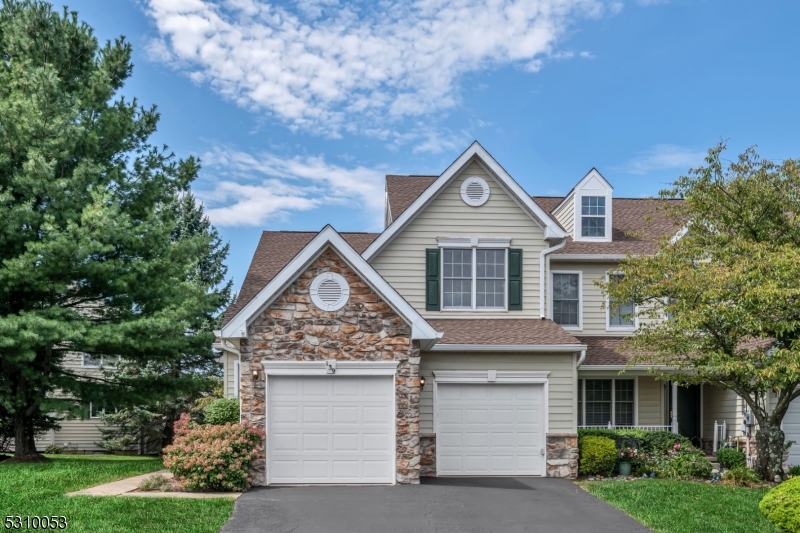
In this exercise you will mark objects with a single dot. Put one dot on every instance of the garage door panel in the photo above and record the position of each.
(332, 434)
(490, 429)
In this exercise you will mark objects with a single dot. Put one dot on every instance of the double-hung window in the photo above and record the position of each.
(620, 316)
(566, 299)
(473, 278)
(606, 401)
(593, 216)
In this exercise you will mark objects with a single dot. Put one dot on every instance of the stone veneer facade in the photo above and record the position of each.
(365, 329)
(562, 455)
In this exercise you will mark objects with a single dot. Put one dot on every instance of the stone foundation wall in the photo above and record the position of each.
(562, 455)
(366, 328)
(427, 445)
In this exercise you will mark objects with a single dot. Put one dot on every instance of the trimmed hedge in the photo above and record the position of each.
(731, 458)
(598, 456)
(222, 411)
(781, 506)
(647, 441)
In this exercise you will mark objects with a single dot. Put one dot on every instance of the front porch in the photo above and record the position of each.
(707, 415)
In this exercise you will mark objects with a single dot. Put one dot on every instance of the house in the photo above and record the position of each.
(468, 338)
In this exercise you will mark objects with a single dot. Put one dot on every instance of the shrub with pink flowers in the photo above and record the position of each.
(213, 457)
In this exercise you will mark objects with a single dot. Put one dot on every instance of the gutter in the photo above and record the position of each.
(542, 274)
(546, 348)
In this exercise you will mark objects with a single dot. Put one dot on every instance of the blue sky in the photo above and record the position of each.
(298, 109)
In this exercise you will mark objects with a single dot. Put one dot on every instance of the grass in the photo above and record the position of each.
(38, 490)
(667, 506)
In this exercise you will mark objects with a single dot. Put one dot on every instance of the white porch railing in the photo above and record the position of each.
(720, 434)
(614, 426)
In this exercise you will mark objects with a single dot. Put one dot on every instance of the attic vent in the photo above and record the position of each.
(329, 291)
(474, 191)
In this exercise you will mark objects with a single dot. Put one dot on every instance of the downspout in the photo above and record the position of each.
(542, 274)
(582, 358)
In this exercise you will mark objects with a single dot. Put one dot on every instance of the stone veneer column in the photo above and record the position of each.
(365, 329)
(427, 445)
(562, 455)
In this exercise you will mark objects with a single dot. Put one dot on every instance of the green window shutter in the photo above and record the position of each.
(432, 279)
(514, 279)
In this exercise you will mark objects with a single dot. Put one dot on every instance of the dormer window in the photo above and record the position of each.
(593, 216)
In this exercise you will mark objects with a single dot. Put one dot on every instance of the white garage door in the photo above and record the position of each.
(331, 429)
(489, 429)
(791, 427)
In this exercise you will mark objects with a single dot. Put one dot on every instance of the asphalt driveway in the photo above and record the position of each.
(446, 505)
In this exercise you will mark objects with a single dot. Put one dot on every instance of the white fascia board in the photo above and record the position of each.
(503, 179)
(237, 327)
(550, 348)
(473, 242)
(600, 368)
(590, 257)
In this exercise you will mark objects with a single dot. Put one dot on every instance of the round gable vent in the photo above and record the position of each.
(474, 191)
(329, 291)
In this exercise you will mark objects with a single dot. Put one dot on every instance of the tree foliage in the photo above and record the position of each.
(89, 258)
(730, 288)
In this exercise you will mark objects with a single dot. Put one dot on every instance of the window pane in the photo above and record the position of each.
(624, 401)
(598, 402)
(593, 226)
(91, 360)
(491, 273)
(593, 206)
(457, 278)
(621, 316)
(565, 299)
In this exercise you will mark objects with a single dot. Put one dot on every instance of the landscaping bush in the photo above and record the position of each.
(663, 441)
(649, 442)
(213, 457)
(794, 470)
(53, 449)
(731, 458)
(682, 462)
(781, 506)
(222, 411)
(741, 476)
(598, 456)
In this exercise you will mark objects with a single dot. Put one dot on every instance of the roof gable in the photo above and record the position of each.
(236, 326)
(476, 153)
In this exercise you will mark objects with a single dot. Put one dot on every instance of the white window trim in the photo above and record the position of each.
(499, 377)
(237, 378)
(578, 216)
(475, 244)
(609, 327)
(102, 412)
(579, 327)
(85, 365)
(320, 368)
(582, 385)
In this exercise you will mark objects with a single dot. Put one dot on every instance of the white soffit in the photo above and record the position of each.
(475, 151)
(236, 328)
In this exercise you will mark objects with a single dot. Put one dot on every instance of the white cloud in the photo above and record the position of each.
(662, 157)
(252, 189)
(329, 67)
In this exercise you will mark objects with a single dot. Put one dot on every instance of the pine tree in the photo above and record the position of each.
(89, 259)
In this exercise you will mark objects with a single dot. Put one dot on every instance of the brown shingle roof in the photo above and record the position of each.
(403, 190)
(629, 215)
(274, 251)
(501, 331)
(603, 351)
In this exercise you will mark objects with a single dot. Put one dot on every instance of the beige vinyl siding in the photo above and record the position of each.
(561, 398)
(230, 383)
(592, 300)
(566, 215)
(651, 408)
(402, 262)
(721, 405)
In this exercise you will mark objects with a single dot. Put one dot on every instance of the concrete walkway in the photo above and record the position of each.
(438, 505)
(128, 486)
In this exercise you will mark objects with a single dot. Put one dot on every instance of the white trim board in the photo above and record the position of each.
(320, 368)
(569, 348)
(475, 152)
(490, 376)
(329, 237)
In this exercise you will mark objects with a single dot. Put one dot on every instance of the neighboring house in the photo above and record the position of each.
(81, 432)
(468, 338)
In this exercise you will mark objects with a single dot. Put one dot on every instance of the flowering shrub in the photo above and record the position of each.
(213, 457)
(680, 462)
(631, 455)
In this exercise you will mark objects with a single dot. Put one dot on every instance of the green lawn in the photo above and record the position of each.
(38, 489)
(686, 507)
